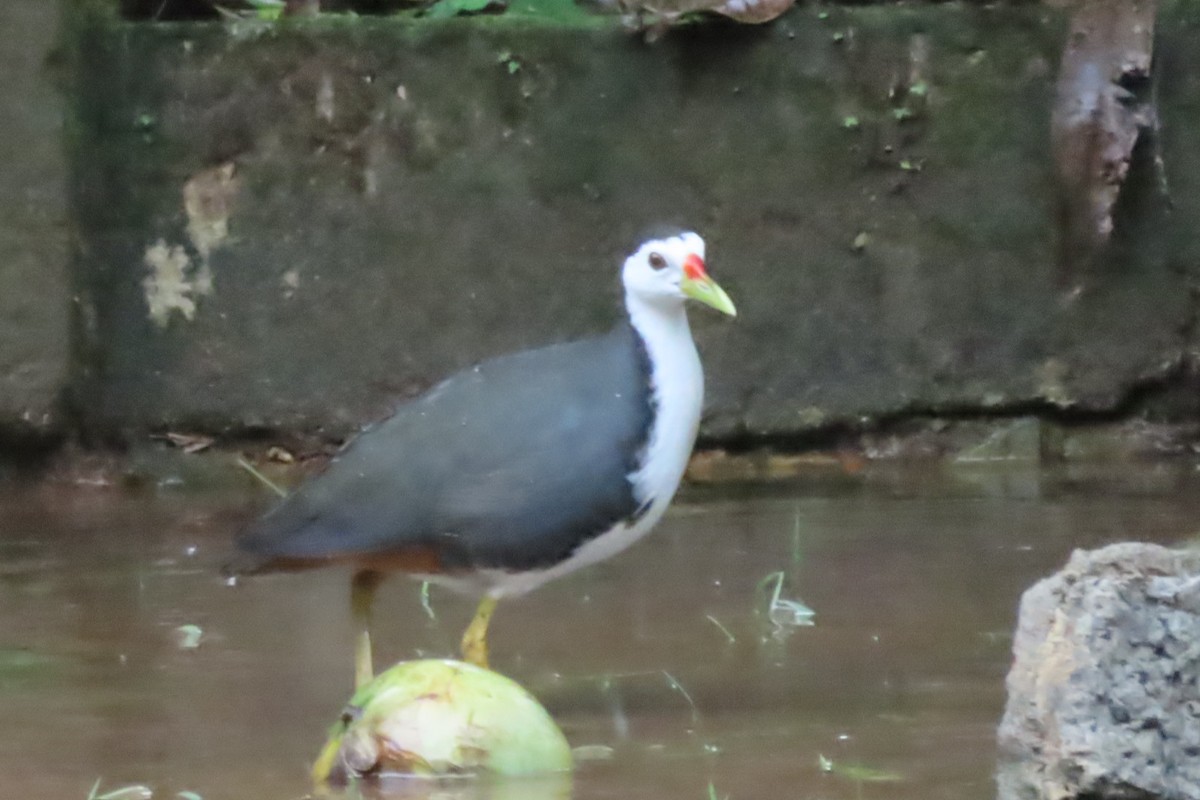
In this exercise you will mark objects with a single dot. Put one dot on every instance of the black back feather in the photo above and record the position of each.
(512, 464)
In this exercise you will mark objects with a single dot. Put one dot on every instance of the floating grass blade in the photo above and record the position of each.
(131, 792)
(425, 604)
(677, 686)
(246, 465)
(782, 612)
(728, 636)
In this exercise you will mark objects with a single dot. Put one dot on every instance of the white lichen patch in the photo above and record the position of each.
(291, 282)
(326, 109)
(173, 284)
(1051, 380)
(208, 202)
(811, 416)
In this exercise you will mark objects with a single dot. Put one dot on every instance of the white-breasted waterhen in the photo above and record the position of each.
(519, 470)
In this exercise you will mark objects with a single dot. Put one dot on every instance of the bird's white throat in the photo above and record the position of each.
(677, 383)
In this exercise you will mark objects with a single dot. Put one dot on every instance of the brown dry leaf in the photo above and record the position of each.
(707, 466)
(852, 463)
(753, 11)
(189, 442)
(280, 456)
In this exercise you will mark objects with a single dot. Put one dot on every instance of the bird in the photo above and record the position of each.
(518, 470)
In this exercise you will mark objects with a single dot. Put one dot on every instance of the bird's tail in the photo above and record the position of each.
(243, 563)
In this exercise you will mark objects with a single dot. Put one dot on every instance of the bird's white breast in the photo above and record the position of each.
(677, 383)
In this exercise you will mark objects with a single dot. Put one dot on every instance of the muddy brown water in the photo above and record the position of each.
(660, 661)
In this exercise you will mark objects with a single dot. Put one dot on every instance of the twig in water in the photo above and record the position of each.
(246, 465)
(677, 686)
(425, 604)
(729, 636)
(133, 792)
(797, 550)
(782, 612)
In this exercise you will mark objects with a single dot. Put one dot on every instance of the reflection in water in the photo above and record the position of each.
(665, 665)
(550, 787)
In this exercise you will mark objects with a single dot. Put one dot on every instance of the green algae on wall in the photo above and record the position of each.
(403, 199)
(34, 241)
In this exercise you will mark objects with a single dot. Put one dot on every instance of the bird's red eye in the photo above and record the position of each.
(657, 261)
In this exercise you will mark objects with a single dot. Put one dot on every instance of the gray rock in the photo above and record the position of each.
(1104, 692)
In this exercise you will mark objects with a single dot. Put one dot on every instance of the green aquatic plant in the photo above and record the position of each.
(187, 637)
(782, 612)
(21, 667)
(509, 61)
(426, 605)
(265, 10)
(263, 479)
(131, 792)
(677, 686)
(859, 773)
(729, 637)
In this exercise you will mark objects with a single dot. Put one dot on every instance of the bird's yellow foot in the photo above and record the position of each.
(474, 641)
(362, 594)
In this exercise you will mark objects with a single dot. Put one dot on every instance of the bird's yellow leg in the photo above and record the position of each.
(362, 595)
(474, 641)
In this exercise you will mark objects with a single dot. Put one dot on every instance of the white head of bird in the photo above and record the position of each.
(665, 272)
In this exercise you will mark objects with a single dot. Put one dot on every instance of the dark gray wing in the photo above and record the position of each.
(511, 464)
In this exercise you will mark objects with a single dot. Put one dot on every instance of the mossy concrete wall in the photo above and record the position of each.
(290, 227)
(33, 228)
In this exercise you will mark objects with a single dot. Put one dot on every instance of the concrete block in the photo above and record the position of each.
(34, 295)
(292, 227)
